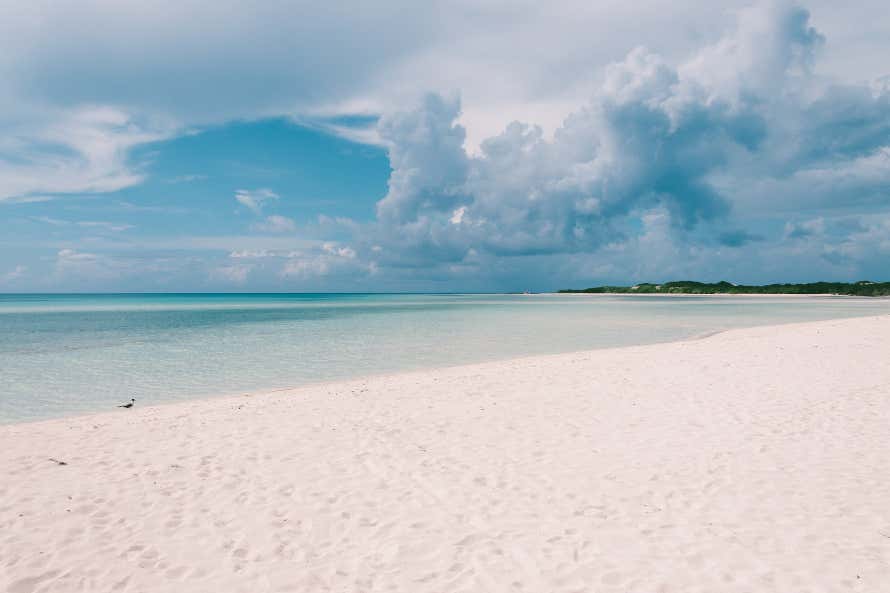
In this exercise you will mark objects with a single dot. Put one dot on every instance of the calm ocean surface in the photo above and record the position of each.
(71, 354)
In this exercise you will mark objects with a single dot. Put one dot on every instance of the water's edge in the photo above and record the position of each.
(98, 352)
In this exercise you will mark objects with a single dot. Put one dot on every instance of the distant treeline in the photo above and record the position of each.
(862, 288)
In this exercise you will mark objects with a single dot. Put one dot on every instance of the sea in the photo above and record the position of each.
(63, 355)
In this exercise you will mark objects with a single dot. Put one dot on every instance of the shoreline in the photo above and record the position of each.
(335, 382)
(718, 294)
(753, 459)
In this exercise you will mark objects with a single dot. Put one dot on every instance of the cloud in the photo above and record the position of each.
(306, 263)
(51, 221)
(187, 178)
(81, 266)
(68, 256)
(80, 150)
(78, 95)
(683, 140)
(429, 164)
(232, 274)
(751, 147)
(116, 269)
(251, 254)
(14, 274)
(115, 227)
(867, 247)
(738, 238)
(137, 69)
(255, 199)
(105, 225)
(275, 224)
(802, 230)
(331, 259)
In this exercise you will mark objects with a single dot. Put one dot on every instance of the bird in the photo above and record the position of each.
(129, 404)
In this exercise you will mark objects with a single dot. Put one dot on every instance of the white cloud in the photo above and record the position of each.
(252, 254)
(105, 225)
(115, 227)
(187, 178)
(75, 111)
(82, 266)
(339, 251)
(14, 274)
(683, 140)
(330, 259)
(255, 199)
(306, 267)
(233, 274)
(79, 150)
(458, 215)
(67, 256)
(275, 224)
(713, 141)
(91, 269)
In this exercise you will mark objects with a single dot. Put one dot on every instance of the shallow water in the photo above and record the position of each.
(72, 354)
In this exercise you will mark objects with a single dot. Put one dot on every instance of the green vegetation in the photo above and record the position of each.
(862, 288)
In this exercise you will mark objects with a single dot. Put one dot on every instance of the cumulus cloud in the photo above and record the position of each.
(426, 153)
(684, 140)
(330, 260)
(515, 60)
(716, 149)
(311, 263)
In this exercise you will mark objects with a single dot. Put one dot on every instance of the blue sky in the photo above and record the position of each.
(470, 146)
(185, 212)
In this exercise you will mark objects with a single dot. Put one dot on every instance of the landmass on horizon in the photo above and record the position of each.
(861, 288)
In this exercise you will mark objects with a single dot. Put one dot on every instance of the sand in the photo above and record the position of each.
(753, 460)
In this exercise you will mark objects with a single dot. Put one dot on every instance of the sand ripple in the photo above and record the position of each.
(755, 460)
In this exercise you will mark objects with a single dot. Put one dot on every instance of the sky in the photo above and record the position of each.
(480, 145)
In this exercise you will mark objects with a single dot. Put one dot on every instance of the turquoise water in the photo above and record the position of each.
(71, 354)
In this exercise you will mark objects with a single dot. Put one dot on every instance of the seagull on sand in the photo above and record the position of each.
(128, 405)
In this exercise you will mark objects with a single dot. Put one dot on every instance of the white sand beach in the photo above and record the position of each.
(753, 460)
